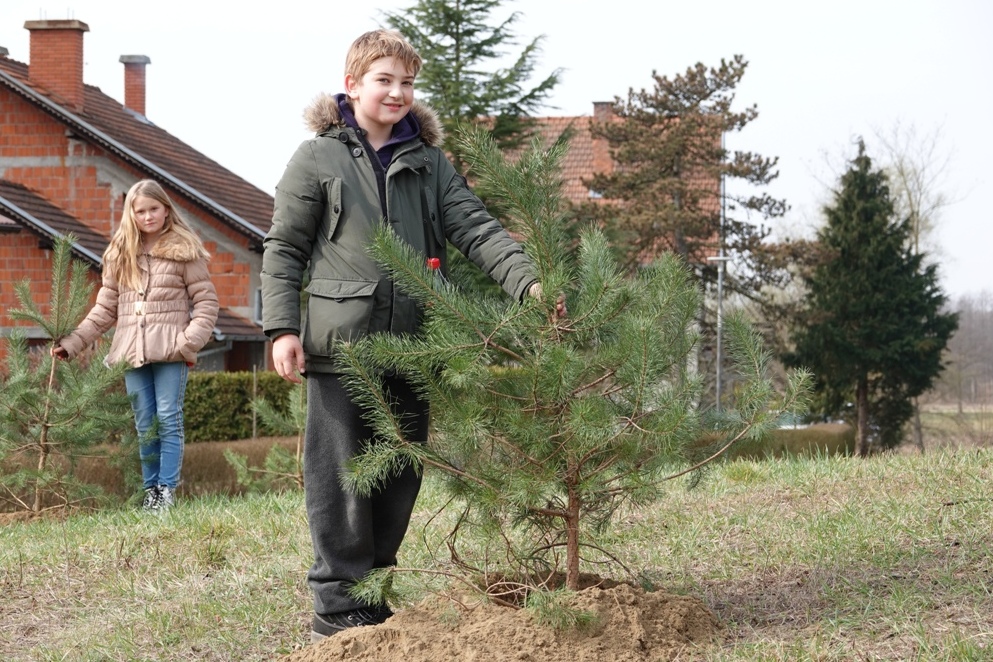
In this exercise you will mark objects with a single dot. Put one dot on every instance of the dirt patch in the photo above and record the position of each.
(631, 626)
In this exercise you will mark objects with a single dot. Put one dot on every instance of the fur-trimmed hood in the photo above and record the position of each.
(171, 246)
(323, 114)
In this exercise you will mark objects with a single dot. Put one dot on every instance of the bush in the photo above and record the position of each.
(218, 405)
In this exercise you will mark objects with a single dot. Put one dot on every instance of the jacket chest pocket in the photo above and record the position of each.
(332, 193)
(434, 228)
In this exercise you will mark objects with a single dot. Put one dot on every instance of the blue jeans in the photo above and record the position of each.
(157, 391)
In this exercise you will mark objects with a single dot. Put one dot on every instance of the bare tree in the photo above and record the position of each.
(917, 170)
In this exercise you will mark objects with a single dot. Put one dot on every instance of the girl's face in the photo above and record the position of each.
(382, 96)
(149, 214)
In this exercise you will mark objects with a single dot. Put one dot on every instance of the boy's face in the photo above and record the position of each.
(382, 96)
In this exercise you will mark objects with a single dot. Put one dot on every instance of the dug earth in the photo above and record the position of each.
(631, 625)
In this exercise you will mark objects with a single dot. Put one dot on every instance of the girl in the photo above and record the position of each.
(157, 290)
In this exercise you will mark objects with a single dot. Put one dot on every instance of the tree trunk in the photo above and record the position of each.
(572, 541)
(43, 447)
(918, 429)
(862, 418)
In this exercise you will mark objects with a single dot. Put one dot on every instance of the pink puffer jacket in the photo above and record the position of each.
(170, 319)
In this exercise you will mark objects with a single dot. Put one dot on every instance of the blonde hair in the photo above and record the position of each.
(121, 256)
(378, 44)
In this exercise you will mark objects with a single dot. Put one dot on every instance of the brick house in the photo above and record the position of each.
(69, 154)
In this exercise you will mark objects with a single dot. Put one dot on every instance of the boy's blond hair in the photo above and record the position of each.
(378, 44)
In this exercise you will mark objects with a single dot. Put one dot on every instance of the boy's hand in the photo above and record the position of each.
(288, 358)
(560, 310)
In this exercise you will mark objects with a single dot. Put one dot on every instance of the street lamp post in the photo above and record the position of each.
(721, 260)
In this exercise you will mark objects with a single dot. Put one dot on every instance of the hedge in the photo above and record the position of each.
(218, 405)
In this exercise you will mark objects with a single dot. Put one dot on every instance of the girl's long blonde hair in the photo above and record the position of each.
(121, 256)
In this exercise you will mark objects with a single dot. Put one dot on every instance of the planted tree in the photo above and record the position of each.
(874, 328)
(53, 413)
(544, 425)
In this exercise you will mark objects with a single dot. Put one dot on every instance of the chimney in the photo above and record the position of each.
(57, 58)
(603, 110)
(134, 82)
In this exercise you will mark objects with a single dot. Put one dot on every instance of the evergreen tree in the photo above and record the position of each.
(674, 175)
(874, 328)
(545, 425)
(54, 412)
(460, 78)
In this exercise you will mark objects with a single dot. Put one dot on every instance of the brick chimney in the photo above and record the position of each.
(56, 62)
(134, 82)
(603, 111)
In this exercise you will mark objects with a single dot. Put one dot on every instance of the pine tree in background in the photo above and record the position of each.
(53, 412)
(544, 425)
(461, 78)
(874, 330)
(669, 146)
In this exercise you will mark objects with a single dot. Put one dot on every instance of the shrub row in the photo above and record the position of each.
(218, 405)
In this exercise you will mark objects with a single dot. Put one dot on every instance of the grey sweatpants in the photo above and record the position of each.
(352, 534)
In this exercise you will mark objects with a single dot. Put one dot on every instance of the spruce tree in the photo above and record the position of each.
(874, 329)
(52, 412)
(543, 426)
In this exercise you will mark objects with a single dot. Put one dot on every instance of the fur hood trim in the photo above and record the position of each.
(323, 114)
(173, 247)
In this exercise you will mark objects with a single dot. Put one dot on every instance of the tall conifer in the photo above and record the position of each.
(874, 328)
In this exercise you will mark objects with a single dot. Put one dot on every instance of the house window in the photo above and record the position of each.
(258, 306)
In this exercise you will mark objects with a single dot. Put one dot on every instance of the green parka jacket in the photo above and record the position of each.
(327, 208)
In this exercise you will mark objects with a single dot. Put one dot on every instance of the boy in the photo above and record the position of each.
(376, 158)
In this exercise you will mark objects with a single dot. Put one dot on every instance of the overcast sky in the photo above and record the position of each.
(231, 79)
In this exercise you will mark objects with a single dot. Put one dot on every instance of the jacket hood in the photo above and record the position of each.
(323, 114)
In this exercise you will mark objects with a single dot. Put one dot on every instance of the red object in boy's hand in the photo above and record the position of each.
(434, 263)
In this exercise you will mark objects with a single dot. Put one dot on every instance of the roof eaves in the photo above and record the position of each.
(126, 153)
(47, 230)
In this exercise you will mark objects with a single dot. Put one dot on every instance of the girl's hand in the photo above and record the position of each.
(59, 352)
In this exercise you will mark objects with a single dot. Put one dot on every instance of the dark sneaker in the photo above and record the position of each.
(381, 613)
(151, 500)
(167, 498)
(326, 625)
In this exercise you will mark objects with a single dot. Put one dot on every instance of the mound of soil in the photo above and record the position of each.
(631, 626)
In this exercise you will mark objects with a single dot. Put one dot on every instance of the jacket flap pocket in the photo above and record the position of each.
(341, 289)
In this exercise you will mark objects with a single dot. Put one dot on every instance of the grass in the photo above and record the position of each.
(827, 558)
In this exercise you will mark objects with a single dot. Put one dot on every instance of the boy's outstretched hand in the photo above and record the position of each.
(288, 358)
(560, 309)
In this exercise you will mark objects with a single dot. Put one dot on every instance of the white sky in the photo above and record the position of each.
(232, 78)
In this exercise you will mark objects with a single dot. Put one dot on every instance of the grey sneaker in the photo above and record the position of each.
(167, 498)
(151, 500)
(326, 625)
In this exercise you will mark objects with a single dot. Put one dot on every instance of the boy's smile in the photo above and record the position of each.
(381, 98)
